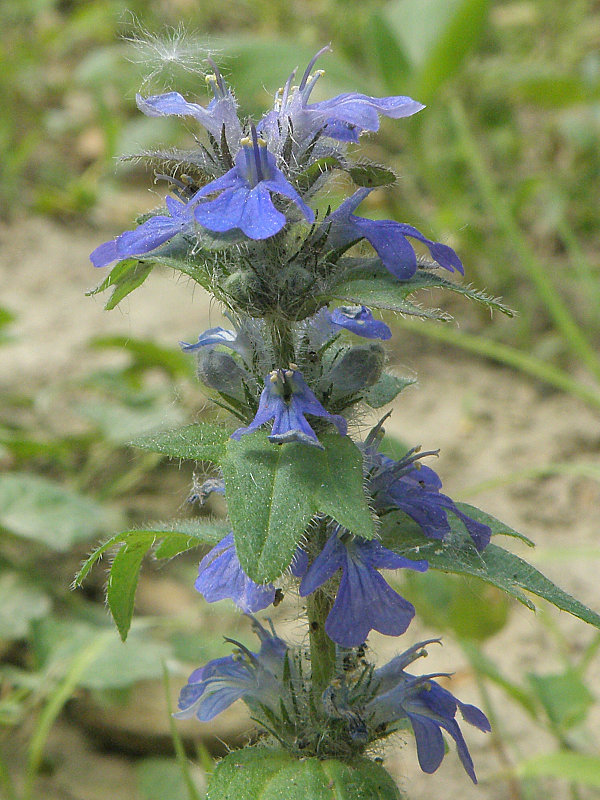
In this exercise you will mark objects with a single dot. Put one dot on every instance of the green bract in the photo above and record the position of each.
(262, 774)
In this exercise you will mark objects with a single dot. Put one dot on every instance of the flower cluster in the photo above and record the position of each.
(297, 362)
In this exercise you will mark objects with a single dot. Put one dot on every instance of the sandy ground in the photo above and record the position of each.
(488, 422)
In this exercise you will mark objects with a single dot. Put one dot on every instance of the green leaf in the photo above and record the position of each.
(435, 37)
(564, 696)
(373, 285)
(123, 580)
(498, 528)
(202, 441)
(496, 566)
(35, 508)
(257, 773)
(274, 490)
(175, 537)
(125, 276)
(573, 767)
(20, 603)
(386, 389)
(371, 175)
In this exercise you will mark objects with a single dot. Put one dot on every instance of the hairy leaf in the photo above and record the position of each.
(371, 175)
(202, 441)
(494, 565)
(263, 774)
(386, 389)
(171, 539)
(273, 491)
(372, 285)
(125, 276)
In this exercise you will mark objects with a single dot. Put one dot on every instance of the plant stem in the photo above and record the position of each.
(322, 649)
(557, 309)
(283, 342)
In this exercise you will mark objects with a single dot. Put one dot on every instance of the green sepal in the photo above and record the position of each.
(306, 179)
(166, 541)
(273, 491)
(494, 565)
(386, 389)
(258, 773)
(125, 276)
(371, 284)
(371, 175)
(202, 441)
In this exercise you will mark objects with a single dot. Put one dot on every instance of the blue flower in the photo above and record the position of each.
(148, 236)
(360, 320)
(286, 399)
(245, 200)
(221, 111)
(343, 117)
(415, 489)
(255, 677)
(221, 576)
(426, 706)
(212, 336)
(388, 238)
(364, 600)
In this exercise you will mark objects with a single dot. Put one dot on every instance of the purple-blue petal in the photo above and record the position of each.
(105, 254)
(212, 336)
(390, 244)
(363, 111)
(331, 558)
(441, 253)
(220, 577)
(360, 320)
(365, 602)
(430, 742)
(148, 236)
(251, 210)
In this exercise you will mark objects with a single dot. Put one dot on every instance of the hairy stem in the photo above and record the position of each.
(322, 649)
(283, 342)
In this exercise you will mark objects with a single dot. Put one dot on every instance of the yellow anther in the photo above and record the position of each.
(293, 366)
(274, 377)
(210, 79)
(246, 142)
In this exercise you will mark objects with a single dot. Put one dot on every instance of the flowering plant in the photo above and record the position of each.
(308, 504)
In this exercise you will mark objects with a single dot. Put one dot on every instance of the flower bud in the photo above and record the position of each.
(295, 281)
(244, 287)
(359, 367)
(220, 371)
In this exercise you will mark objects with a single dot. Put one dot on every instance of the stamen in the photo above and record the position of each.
(311, 84)
(257, 154)
(219, 78)
(305, 77)
(286, 88)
